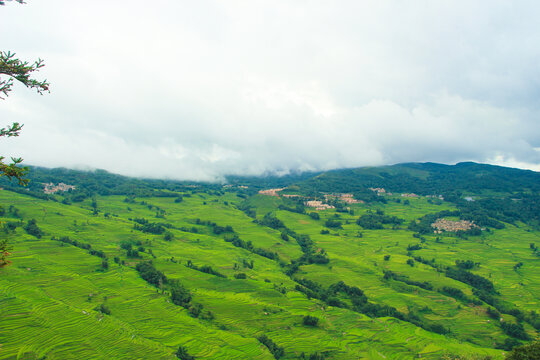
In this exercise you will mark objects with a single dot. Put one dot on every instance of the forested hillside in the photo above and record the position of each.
(398, 262)
(428, 179)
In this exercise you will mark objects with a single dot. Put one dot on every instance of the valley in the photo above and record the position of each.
(231, 273)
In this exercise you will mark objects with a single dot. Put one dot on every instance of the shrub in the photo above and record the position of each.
(493, 313)
(333, 224)
(271, 221)
(195, 310)
(453, 292)
(526, 352)
(514, 330)
(465, 264)
(310, 320)
(126, 245)
(32, 229)
(133, 254)
(149, 273)
(473, 280)
(314, 216)
(376, 221)
(182, 354)
(104, 309)
(180, 295)
(208, 270)
(276, 350)
(412, 247)
(508, 344)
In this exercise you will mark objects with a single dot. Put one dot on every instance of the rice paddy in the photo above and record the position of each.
(51, 292)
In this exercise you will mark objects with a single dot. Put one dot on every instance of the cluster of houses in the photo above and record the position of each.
(409, 195)
(318, 205)
(346, 198)
(229, 186)
(50, 188)
(380, 191)
(275, 192)
(270, 192)
(343, 197)
(290, 196)
(440, 197)
(448, 225)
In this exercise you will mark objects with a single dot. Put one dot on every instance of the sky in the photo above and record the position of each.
(195, 90)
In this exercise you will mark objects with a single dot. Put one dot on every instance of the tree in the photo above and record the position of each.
(15, 69)
(180, 295)
(276, 350)
(182, 354)
(32, 229)
(526, 352)
(310, 320)
(168, 236)
(104, 309)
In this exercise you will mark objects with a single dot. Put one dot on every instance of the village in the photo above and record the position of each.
(50, 188)
(343, 197)
(448, 225)
(314, 203)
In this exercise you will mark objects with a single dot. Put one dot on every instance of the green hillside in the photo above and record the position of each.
(428, 178)
(122, 268)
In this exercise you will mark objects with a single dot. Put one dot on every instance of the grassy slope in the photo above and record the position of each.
(49, 292)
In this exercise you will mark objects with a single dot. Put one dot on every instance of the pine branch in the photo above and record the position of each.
(14, 171)
(3, 2)
(20, 71)
(12, 130)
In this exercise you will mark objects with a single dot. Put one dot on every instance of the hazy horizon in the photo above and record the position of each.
(224, 178)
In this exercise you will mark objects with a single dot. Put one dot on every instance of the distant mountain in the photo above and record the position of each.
(420, 178)
(99, 182)
(427, 179)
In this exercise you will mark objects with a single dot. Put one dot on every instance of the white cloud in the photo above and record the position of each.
(199, 90)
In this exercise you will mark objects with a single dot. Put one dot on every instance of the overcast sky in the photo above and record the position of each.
(198, 89)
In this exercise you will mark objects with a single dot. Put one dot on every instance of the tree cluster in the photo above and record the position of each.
(375, 221)
(31, 228)
(276, 350)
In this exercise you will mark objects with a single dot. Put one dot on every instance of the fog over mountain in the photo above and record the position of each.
(196, 90)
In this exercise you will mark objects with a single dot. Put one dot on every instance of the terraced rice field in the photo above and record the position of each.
(50, 292)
